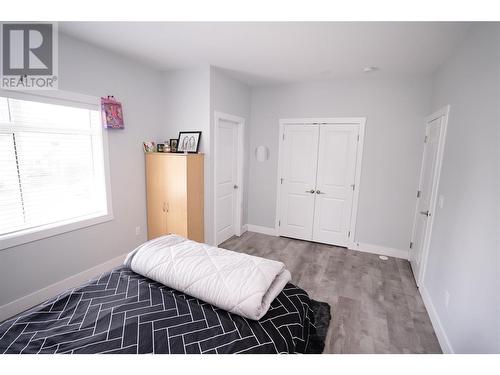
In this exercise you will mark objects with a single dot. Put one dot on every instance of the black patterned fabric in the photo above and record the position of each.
(123, 312)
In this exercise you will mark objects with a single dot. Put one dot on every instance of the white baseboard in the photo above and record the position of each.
(263, 230)
(436, 322)
(39, 296)
(376, 249)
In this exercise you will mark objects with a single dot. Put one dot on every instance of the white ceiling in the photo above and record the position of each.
(271, 52)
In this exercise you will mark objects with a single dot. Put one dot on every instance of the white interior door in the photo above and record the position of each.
(226, 180)
(298, 180)
(425, 192)
(335, 183)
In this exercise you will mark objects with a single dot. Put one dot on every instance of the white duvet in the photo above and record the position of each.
(239, 283)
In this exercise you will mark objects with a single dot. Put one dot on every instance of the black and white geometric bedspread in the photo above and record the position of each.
(123, 312)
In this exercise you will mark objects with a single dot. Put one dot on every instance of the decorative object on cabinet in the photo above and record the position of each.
(112, 113)
(149, 146)
(173, 145)
(189, 141)
(174, 186)
(160, 147)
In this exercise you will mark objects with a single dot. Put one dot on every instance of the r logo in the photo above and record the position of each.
(27, 49)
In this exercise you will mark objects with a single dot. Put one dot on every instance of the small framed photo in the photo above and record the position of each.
(160, 147)
(149, 146)
(173, 145)
(112, 113)
(189, 142)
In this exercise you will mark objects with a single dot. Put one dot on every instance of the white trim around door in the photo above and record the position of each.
(442, 114)
(360, 123)
(239, 122)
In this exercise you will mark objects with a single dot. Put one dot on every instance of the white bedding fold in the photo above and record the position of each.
(239, 283)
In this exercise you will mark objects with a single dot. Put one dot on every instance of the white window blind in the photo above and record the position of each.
(51, 164)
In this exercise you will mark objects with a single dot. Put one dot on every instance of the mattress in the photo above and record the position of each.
(124, 312)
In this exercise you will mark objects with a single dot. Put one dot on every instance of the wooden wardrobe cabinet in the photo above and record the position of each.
(174, 186)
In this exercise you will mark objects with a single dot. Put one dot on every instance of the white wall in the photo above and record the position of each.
(186, 102)
(464, 254)
(233, 97)
(190, 98)
(93, 71)
(395, 110)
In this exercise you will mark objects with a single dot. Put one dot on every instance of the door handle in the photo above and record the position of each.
(310, 191)
(165, 207)
(319, 192)
(235, 187)
(426, 213)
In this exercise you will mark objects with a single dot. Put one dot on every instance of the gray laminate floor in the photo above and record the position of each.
(376, 305)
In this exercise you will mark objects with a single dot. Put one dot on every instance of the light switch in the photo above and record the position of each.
(446, 298)
(441, 201)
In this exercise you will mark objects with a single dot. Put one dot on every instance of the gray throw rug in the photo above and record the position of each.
(322, 318)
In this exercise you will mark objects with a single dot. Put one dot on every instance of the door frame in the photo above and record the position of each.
(240, 126)
(360, 122)
(444, 113)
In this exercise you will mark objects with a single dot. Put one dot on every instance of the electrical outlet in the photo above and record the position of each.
(137, 231)
(446, 298)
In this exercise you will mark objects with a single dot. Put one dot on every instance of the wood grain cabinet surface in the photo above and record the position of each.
(174, 186)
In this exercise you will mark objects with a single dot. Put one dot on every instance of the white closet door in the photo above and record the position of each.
(335, 182)
(226, 179)
(428, 174)
(299, 162)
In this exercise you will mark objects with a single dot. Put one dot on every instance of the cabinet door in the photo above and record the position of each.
(175, 194)
(156, 205)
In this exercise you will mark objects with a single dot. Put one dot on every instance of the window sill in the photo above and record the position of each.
(50, 230)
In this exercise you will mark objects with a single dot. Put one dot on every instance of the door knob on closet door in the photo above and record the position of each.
(310, 191)
(319, 192)
(235, 187)
(425, 213)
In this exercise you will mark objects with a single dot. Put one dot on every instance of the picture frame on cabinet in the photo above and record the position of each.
(188, 142)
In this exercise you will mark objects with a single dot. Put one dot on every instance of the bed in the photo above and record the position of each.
(124, 312)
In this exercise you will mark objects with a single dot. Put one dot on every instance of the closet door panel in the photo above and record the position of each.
(299, 158)
(334, 184)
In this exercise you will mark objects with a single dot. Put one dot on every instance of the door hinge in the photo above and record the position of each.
(411, 245)
(419, 193)
(349, 234)
(425, 139)
(283, 136)
(281, 180)
(358, 137)
(279, 223)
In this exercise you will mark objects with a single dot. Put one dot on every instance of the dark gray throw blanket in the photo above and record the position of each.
(123, 312)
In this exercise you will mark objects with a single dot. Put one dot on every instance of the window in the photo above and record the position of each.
(52, 167)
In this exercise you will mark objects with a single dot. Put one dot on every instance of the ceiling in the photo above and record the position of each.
(279, 52)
